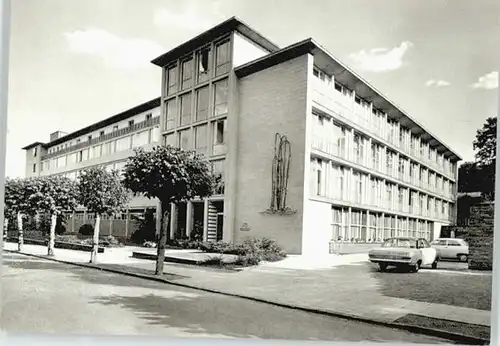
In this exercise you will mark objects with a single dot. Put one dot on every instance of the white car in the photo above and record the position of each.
(451, 248)
(404, 252)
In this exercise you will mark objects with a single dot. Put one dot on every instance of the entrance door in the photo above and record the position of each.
(220, 224)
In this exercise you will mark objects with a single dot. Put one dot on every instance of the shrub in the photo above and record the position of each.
(86, 229)
(146, 229)
(110, 241)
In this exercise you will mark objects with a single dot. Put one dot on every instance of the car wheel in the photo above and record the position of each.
(415, 268)
(463, 258)
(382, 266)
(435, 264)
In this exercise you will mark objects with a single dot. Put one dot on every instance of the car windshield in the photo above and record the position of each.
(403, 243)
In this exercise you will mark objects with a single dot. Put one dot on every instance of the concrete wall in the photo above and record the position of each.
(270, 101)
(245, 51)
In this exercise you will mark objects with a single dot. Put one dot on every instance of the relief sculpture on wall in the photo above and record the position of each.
(280, 175)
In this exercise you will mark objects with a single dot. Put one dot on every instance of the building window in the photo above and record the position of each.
(203, 61)
(96, 151)
(222, 58)
(185, 139)
(185, 109)
(200, 139)
(34, 168)
(337, 233)
(123, 144)
(219, 133)
(358, 149)
(130, 123)
(389, 162)
(358, 187)
(187, 74)
(35, 150)
(202, 104)
(149, 116)
(171, 109)
(218, 171)
(319, 185)
(115, 128)
(108, 148)
(400, 199)
(172, 80)
(140, 139)
(101, 133)
(221, 98)
(89, 139)
(170, 140)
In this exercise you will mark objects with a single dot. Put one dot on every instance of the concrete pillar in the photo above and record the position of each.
(205, 219)
(189, 218)
(173, 220)
(127, 223)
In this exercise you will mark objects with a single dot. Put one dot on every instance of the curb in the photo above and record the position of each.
(462, 338)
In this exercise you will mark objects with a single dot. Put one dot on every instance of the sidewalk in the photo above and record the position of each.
(347, 290)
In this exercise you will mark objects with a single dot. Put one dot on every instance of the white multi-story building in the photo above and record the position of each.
(353, 165)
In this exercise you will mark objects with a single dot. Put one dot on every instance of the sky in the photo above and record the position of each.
(73, 63)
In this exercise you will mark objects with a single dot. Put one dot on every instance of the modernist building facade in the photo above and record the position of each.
(107, 143)
(347, 164)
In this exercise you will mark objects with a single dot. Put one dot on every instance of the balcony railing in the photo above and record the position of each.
(361, 116)
(115, 134)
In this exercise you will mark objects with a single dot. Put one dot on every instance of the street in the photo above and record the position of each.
(49, 297)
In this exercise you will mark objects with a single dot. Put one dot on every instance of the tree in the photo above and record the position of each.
(52, 195)
(171, 175)
(485, 146)
(15, 205)
(485, 143)
(101, 193)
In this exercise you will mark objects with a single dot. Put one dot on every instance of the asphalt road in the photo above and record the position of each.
(40, 296)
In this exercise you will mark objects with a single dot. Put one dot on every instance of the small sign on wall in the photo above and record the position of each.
(244, 227)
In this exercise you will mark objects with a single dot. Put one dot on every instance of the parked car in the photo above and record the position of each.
(451, 248)
(404, 252)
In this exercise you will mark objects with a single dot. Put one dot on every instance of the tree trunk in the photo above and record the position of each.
(95, 243)
(20, 241)
(52, 235)
(162, 241)
(5, 228)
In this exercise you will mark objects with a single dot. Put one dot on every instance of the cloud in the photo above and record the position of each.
(488, 81)
(191, 17)
(381, 59)
(437, 83)
(130, 53)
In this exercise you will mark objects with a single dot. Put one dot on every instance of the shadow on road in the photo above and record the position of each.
(89, 275)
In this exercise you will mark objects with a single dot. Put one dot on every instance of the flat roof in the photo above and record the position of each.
(344, 75)
(32, 145)
(144, 107)
(229, 25)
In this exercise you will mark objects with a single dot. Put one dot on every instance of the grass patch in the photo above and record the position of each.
(469, 291)
(472, 330)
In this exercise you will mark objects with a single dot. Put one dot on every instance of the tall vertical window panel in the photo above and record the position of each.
(338, 140)
(172, 80)
(187, 73)
(221, 98)
(219, 130)
(338, 216)
(203, 62)
(202, 99)
(336, 181)
(201, 139)
(171, 114)
(222, 57)
(185, 116)
(185, 140)
(219, 172)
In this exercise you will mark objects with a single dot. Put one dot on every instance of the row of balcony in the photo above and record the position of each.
(106, 137)
(361, 116)
(385, 170)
